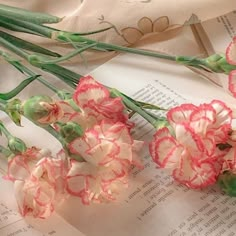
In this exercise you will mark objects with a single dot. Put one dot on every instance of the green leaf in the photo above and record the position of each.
(27, 45)
(18, 89)
(69, 77)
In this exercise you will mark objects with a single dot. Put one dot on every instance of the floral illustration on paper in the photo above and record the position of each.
(146, 26)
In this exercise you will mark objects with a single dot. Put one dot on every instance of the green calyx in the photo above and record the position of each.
(16, 145)
(227, 182)
(34, 108)
(70, 131)
(219, 64)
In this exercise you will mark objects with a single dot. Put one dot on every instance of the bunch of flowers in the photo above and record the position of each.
(196, 144)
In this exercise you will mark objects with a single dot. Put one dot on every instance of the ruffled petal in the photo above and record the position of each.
(231, 52)
(89, 90)
(232, 82)
(195, 176)
(180, 114)
(223, 113)
(116, 131)
(18, 169)
(186, 136)
(165, 152)
(161, 133)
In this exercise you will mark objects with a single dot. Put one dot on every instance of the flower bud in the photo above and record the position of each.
(16, 145)
(5, 151)
(70, 131)
(41, 109)
(219, 64)
(227, 182)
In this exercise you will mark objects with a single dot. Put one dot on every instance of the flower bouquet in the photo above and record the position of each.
(92, 123)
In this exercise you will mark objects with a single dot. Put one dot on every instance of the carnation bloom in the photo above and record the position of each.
(231, 59)
(39, 181)
(192, 155)
(96, 104)
(109, 151)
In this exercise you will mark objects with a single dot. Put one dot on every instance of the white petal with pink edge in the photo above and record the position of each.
(209, 143)
(223, 113)
(180, 114)
(204, 111)
(99, 154)
(165, 152)
(195, 176)
(91, 94)
(161, 133)
(117, 131)
(231, 52)
(232, 82)
(187, 137)
(18, 169)
(87, 80)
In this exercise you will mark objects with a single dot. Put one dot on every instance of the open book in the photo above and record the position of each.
(153, 204)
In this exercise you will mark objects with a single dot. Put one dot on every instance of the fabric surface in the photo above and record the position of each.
(132, 19)
(157, 25)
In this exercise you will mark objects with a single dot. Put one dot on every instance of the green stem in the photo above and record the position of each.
(69, 77)
(155, 122)
(68, 37)
(5, 131)
(23, 44)
(25, 26)
(22, 14)
(55, 134)
(69, 55)
(19, 25)
(13, 48)
(77, 38)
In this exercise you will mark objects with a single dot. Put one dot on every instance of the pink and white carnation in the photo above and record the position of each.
(39, 182)
(96, 104)
(192, 154)
(109, 152)
(19, 166)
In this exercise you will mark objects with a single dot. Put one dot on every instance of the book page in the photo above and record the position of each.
(220, 31)
(154, 204)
